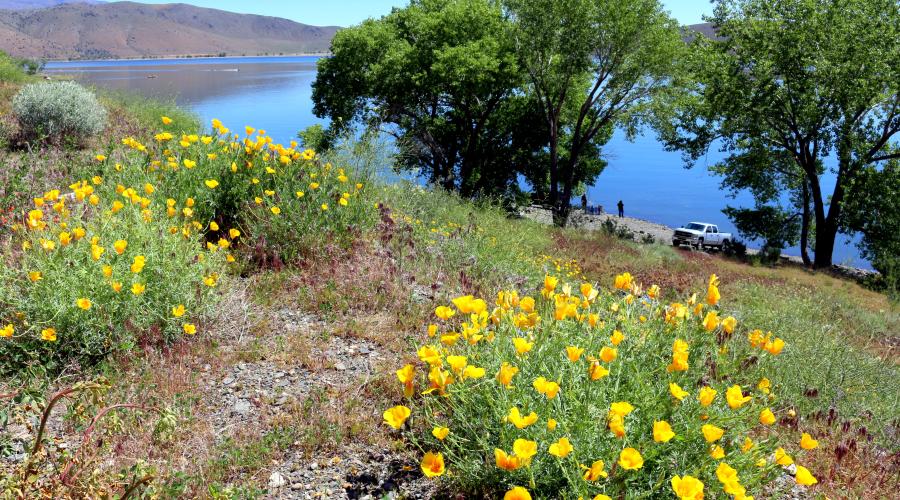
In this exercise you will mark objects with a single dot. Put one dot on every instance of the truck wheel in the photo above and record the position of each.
(700, 244)
(676, 243)
(726, 246)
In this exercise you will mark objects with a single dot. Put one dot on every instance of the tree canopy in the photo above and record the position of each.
(482, 94)
(788, 90)
(443, 75)
(591, 65)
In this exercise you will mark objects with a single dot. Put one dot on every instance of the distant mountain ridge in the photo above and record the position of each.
(38, 4)
(129, 29)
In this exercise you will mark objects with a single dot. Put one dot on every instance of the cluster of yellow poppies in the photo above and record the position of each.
(120, 250)
(584, 376)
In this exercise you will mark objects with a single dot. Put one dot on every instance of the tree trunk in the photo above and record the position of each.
(825, 233)
(824, 245)
(804, 227)
(559, 215)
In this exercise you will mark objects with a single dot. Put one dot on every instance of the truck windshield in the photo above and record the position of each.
(695, 227)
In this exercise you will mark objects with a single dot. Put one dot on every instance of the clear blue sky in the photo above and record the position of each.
(349, 12)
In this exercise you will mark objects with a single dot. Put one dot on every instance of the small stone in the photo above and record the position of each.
(314, 465)
(276, 480)
(363, 350)
(242, 407)
(228, 380)
(340, 366)
(296, 486)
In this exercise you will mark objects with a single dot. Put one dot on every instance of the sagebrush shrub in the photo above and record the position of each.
(58, 111)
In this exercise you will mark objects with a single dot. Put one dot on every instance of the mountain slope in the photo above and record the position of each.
(37, 4)
(128, 29)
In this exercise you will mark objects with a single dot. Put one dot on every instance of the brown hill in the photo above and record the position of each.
(37, 4)
(128, 29)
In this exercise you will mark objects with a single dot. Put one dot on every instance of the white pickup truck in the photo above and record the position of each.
(700, 235)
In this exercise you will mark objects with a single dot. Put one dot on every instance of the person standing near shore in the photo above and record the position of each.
(584, 202)
(621, 208)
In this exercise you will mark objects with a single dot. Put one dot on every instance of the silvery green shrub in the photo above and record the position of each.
(58, 110)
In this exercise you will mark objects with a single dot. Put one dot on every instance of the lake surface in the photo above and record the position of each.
(274, 93)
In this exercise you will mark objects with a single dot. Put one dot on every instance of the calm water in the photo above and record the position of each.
(274, 93)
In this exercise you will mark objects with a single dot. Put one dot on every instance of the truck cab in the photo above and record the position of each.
(701, 235)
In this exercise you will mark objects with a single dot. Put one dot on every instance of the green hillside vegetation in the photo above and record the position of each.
(190, 310)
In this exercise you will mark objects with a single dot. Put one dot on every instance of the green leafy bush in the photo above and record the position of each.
(58, 111)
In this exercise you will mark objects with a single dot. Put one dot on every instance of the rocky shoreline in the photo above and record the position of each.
(661, 233)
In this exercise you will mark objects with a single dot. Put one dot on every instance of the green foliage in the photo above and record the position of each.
(789, 89)
(74, 258)
(776, 227)
(11, 69)
(442, 76)
(147, 111)
(591, 65)
(58, 111)
(635, 369)
(877, 217)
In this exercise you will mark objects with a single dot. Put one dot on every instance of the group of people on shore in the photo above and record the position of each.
(598, 209)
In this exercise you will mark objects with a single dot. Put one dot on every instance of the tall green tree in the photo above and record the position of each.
(591, 65)
(443, 77)
(789, 89)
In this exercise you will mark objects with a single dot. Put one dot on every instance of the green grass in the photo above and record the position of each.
(822, 360)
(147, 111)
(11, 70)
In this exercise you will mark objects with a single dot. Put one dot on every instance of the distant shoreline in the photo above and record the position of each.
(185, 57)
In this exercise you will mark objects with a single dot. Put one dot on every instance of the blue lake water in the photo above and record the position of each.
(274, 93)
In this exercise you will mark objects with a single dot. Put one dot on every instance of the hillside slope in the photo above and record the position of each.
(128, 29)
(38, 4)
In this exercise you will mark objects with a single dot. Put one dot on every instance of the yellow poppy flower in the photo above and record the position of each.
(396, 416)
(515, 417)
(433, 464)
(189, 328)
(804, 477)
(595, 471)
(561, 448)
(677, 392)
(630, 459)
(807, 442)
(211, 183)
(707, 395)
(440, 433)
(574, 353)
(687, 488)
(608, 354)
(138, 288)
(517, 493)
(766, 417)
(83, 303)
(735, 397)
(504, 461)
(522, 345)
(48, 334)
(712, 433)
(662, 431)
